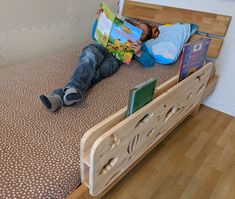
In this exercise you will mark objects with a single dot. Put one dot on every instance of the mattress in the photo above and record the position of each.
(39, 150)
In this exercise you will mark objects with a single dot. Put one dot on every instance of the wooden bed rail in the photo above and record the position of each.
(91, 135)
(113, 146)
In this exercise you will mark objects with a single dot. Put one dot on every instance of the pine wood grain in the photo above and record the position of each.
(210, 23)
(215, 45)
(109, 159)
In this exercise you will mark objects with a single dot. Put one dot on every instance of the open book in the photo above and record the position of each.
(116, 35)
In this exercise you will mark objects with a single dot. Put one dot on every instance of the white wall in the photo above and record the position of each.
(223, 98)
(33, 28)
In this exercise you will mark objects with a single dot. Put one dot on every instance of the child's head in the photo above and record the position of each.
(149, 32)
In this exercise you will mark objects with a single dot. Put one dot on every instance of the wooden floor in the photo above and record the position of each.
(196, 161)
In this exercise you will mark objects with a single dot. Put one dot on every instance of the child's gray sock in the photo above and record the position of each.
(72, 96)
(51, 102)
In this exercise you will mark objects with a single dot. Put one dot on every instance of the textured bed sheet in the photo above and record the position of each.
(39, 150)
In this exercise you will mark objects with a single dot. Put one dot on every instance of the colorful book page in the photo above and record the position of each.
(122, 35)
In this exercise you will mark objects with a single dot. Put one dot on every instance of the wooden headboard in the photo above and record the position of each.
(210, 25)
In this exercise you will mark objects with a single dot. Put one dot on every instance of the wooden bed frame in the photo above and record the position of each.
(113, 147)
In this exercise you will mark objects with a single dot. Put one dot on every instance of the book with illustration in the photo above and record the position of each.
(141, 95)
(116, 35)
(193, 57)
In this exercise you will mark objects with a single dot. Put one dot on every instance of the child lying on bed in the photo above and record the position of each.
(95, 64)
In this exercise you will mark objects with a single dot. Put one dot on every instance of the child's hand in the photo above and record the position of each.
(136, 47)
(98, 12)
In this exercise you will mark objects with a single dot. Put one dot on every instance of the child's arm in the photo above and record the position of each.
(145, 59)
(141, 54)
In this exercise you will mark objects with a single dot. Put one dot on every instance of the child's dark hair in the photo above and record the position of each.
(149, 33)
(153, 32)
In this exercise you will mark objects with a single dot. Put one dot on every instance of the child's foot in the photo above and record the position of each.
(72, 96)
(51, 102)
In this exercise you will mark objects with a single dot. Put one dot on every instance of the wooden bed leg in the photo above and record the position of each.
(197, 109)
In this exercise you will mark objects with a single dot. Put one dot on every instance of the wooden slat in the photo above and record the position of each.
(215, 46)
(210, 23)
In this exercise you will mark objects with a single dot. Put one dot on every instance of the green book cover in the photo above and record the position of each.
(141, 95)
